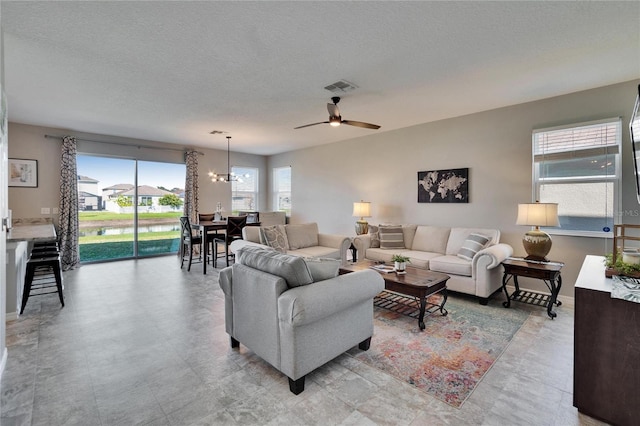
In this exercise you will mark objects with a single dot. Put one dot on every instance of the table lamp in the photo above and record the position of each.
(362, 210)
(537, 243)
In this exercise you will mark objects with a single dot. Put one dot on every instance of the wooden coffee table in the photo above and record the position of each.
(415, 283)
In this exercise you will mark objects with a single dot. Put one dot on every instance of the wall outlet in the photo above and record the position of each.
(55, 210)
(45, 210)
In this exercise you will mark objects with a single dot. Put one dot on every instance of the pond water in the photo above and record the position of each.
(113, 230)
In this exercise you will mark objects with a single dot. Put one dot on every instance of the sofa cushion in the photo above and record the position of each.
(458, 236)
(301, 236)
(293, 269)
(374, 232)
(472, 245)
(317, 251)
(322, 268)
(431, 239)
(275, 237)
(420, 259)
(450, 265)
(391, 237)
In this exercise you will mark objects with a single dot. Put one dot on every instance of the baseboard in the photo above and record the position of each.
(566, 300)
(10, 316)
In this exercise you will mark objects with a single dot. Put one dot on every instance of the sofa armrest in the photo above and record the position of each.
(336, 241)
(362, 243)
(307, 304)
(238, 244)
(491, 256)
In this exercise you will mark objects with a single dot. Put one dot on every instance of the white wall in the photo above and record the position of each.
(382, 167)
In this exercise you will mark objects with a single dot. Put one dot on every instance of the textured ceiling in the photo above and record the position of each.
(174, 71)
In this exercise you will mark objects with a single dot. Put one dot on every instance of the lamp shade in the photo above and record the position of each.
(362, 209)
(538, 214)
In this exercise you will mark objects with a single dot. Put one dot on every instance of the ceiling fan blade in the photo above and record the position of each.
(361, 124)
(333, 110)
(307, 125)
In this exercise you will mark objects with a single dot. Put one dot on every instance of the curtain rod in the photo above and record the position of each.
(123, 144)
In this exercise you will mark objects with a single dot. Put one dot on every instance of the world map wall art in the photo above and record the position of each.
(443, 186)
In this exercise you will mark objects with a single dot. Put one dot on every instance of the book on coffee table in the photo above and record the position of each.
(383, 268)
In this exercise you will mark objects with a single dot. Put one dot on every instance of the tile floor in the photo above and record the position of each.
(143, 342)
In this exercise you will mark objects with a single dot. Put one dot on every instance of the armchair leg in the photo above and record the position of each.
(483, 301)
(365, 344)
(296, 386)
(234, 343)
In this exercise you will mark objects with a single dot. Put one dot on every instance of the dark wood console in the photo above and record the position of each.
(606, 375)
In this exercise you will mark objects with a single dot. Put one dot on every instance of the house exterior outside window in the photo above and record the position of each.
(244, 192)
(578, 167)
(282, 189)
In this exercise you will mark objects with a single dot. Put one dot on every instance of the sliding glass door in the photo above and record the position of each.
(128, 208)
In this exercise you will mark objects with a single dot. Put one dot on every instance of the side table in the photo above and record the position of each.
(548, 272)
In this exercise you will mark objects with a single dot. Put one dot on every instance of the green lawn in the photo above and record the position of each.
(145, 236)
(88, 216)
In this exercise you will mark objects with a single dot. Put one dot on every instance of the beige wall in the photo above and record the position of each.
(28, 142)
(382, 167)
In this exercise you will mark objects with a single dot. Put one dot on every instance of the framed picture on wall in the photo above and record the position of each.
(23, 173)
(443, 186)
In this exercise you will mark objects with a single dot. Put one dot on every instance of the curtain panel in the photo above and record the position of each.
(68, 238)
(191, 185)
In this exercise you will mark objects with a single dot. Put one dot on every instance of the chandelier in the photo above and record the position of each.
(229, 176)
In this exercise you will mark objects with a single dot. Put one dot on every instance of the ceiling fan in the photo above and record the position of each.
(335, 119)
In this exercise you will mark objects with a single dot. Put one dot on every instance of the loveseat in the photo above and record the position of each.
(299, 239)
(295, 313)
(470, 256)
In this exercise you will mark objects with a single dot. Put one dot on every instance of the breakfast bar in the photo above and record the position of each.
(20, 239)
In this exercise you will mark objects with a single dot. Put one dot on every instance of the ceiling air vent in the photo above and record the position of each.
(217, 132)
(341, 86)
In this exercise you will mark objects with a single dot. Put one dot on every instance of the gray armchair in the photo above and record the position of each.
(274, 306)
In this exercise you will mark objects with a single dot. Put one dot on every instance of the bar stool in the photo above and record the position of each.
(41, 264)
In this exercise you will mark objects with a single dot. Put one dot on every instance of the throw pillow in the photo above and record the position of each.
(275, 237)
(293, 269)
(375, 236)
(472, 245)
(322, 268)
(391, 237)
(302, 235)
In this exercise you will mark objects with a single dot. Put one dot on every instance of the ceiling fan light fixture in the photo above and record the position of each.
(335, 121)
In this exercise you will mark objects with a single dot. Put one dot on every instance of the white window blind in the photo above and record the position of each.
(578, 167)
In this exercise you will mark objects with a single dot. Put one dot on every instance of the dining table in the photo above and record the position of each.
(204, 227)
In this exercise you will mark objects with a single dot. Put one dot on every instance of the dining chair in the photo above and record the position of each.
(252, 217)
(188, 241)
(234, 232)
(207, 217)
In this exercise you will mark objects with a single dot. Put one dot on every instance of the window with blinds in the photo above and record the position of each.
(578, 167)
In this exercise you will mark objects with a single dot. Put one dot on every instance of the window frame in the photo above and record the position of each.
(538, 160)
(276, 190)
(256, 187)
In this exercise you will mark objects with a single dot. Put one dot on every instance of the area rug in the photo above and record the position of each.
(449, 358)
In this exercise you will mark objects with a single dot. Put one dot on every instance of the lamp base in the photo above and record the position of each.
(537, 244)
(362, 227)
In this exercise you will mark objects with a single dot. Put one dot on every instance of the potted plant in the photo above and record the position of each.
(620, 267)
(400, 262)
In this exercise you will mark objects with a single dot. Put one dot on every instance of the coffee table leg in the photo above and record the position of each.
(423, 305)
(443, 311)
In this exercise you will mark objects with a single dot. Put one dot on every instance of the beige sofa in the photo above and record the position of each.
(441, 249)
(302, 240)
